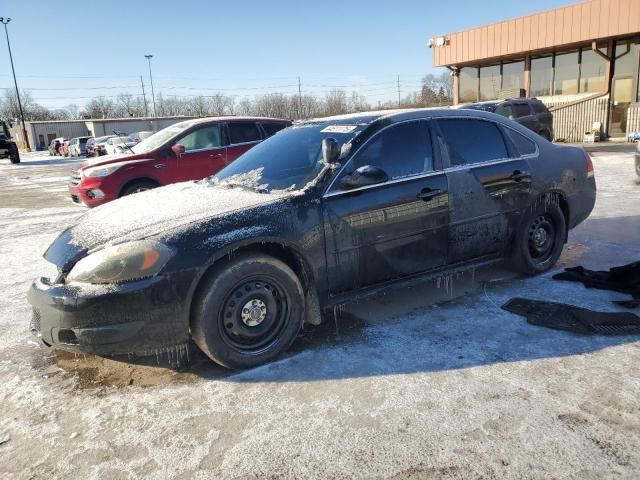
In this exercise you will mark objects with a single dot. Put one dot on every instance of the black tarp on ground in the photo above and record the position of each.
(624, 279)
(574, 319)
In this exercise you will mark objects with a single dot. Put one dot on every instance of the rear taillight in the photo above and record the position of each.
(590, 172)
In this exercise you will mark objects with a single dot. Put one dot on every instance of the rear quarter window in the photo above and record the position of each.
(523, 145)
(539, 107)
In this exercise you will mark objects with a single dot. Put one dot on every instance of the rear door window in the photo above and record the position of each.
(470, 141)
(243, 132)
(401, 151)
(505, 110)
(522, 110)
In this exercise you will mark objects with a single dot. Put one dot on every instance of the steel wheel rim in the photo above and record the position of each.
(253, 331)
(541, 238)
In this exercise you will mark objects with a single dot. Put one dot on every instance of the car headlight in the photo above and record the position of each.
(121, 263)
(102, 171)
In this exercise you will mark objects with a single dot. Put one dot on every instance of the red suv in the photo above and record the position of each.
(188, 150)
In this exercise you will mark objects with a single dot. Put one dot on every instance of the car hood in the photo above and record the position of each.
(162, 211)
(106, 159)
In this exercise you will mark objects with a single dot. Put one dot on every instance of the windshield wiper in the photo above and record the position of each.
(119, 134)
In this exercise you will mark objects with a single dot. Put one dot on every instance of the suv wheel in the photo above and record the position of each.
(249, 311)
(546, 135)
(138, 187)
(14, 153)
(540, 238)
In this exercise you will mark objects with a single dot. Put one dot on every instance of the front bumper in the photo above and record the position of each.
(142, 317)
(90, 192)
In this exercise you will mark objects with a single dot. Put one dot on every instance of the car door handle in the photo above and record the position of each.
(428, 193)
(160, 165)
(519, 175)
(215, 155)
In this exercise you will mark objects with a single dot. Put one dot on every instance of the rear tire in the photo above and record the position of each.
(540, 237)
(138, 187)
(248, 312)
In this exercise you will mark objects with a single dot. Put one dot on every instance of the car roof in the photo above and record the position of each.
(230, 118)
(365, 118)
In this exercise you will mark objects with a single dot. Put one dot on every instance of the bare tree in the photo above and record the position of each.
(335, 102)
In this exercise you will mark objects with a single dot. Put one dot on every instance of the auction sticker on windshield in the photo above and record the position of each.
(339, 129)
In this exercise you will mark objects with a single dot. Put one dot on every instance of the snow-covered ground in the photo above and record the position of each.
(426, 382)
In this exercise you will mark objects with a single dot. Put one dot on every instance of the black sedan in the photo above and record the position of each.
(320, 213)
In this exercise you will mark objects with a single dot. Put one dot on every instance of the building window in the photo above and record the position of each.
(626, 61)
(566, 74)
(513, 75)
(489, 82)
(541, 76)
(592, 71)
(468, 84)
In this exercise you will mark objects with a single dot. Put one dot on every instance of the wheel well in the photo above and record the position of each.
(559, 199)
(283, 253)
(137, 180)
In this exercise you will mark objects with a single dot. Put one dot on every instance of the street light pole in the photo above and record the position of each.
(4, 21)
(153, 95)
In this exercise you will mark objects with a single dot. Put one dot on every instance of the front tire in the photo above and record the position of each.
(540, 237)
(138, 187)
(14, 154)
(248, 312)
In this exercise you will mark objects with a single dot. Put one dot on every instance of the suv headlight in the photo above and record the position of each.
(102, 171)
(121, 263)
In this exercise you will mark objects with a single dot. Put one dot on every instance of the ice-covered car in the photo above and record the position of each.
(322, 212)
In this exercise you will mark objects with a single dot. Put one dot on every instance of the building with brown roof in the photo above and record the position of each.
(582, 60)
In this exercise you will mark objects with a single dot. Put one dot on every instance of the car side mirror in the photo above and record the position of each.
(364, 176)
(178, 149)
(330, 150)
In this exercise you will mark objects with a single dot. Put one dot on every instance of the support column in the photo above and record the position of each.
(455, 74)
(527, 76)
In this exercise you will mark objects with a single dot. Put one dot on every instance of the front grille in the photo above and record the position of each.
(35, 322)
(75, 178)
(75, 199)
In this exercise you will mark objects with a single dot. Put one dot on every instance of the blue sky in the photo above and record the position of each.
(241, 47)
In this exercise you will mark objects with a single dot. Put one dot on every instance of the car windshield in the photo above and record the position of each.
(287, 161)
(157, 139)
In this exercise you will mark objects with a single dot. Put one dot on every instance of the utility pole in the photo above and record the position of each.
(398, 90)
(153, 95)
(144, 96)
(4, 21)
(299, 99)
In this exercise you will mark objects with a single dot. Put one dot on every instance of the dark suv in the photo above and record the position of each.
(8, 148)
(529, 112)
